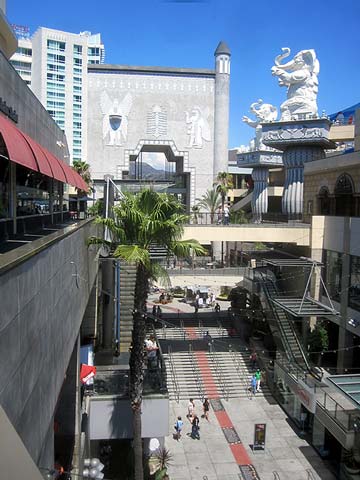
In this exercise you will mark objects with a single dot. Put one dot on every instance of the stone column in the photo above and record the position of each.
(259, 201)
(294, 159)
(221, 109)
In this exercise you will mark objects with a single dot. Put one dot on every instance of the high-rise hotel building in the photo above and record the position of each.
(54, 65)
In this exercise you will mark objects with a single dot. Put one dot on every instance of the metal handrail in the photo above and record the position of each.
(220, 328)
(173, 375)
(310, 474)
(196, 373)
(182, 327)
(239, 367)
(201, 327)
(283, 335)
(276, 475)
(218, 371)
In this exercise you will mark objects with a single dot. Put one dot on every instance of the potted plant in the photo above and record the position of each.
(163, 458)
(351, 465)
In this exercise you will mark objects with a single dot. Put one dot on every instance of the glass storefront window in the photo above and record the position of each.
(32, 192)
(354, 288)
(4, 187)
(332, 273)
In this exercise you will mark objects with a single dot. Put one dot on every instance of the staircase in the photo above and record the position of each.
(282, 327)
(127, 291)
(192, 382)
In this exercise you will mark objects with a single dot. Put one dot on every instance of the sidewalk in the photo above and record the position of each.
(212, 456)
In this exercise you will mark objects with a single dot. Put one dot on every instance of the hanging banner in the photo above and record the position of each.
(87, 372)
(259, 436)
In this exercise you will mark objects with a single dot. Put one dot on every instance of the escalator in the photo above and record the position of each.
(282, 327)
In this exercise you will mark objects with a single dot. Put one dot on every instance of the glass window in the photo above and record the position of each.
(4, 182)
(77, 98)
(55, 45)
(32, 189)
(354, 288)
(332, 273)
(77, 49)
(77, 89)
(26, 52)
(77, 61)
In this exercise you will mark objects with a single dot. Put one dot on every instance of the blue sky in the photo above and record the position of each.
(186, 33)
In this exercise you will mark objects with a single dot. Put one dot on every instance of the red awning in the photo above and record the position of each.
(43, 163)
(18, 148)
(25, 151)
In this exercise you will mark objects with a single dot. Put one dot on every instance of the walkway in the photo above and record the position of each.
(224, 451)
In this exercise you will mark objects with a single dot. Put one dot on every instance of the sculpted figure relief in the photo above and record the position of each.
(198, 127)
(299, 75)
(264, 112)
(115, 118)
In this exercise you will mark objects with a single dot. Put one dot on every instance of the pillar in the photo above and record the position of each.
(294, 158)
(221, 111)
(259, 201)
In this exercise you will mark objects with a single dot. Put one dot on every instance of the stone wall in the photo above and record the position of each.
(43, 300)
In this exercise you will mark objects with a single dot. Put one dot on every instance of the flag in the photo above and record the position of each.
(87, 372)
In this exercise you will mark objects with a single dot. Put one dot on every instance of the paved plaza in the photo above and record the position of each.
(216, 457)
(211, 457)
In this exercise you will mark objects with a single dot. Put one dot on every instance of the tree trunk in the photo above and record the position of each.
(137, 366)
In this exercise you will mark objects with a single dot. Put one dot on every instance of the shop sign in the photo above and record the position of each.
(306, 396)
(8, 111)
(259, 436)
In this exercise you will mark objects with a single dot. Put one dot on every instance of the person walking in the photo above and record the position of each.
(178, 427)
(253, 385)
(217, 308)
(206, 408)
(195, 427)
(253, 359)
(191, 410)
(258, 379)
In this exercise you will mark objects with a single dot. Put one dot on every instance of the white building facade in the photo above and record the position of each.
(54, 65)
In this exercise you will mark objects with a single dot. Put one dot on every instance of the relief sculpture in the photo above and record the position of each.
(115, 118)
(198, 127)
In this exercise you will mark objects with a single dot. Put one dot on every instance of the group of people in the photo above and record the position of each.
(193, 419)
(256, 382)
(152, 350)
(223, 215)
(208, 302)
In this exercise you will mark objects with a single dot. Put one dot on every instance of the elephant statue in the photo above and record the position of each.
(299, 75)
(264, 112)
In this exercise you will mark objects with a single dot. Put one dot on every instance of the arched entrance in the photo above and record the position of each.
(344, 196)
(162, 165)
(324, 201)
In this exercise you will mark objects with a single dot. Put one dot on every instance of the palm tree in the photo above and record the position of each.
(211, 201)
(140, 221)
(83, 169)
(224, 183)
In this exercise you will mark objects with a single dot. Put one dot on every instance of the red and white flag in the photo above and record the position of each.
(87, 372)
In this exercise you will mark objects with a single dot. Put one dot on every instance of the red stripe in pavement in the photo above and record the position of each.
(206, 375)
(238, 450)
(191, 333)
(240, 454)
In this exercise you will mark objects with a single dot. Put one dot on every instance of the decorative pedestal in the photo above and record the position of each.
(260, 161)
(301, 141)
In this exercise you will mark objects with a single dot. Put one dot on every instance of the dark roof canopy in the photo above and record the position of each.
(222, 48)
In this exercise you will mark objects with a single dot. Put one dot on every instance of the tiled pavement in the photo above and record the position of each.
(211, 458)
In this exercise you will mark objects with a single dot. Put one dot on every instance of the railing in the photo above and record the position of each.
(211, 269)
(239, 366)
(201, 327)
(310, 475)
(182, 327)
(284, 337)
(173, 375)
(342, 416)
(220, 328)
(196, 373)
(276, 475)
(244, 219)
(218, 370)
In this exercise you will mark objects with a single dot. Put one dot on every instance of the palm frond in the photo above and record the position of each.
(133, 254)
